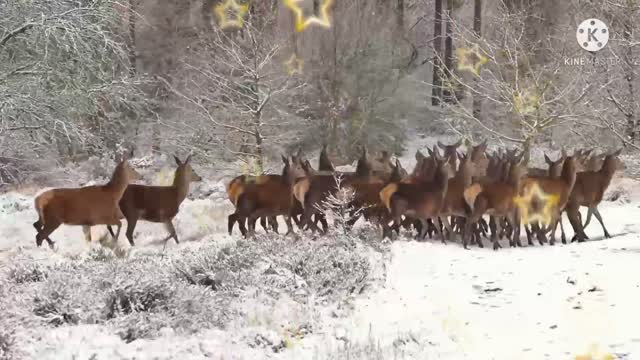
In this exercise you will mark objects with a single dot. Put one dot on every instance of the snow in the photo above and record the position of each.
(426, 301)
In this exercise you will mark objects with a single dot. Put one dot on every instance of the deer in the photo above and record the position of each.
(561, 187)
(554, 171)
(454, 202)
(366, 201)
(269, 198)
(496, 198)
(86, 206)
(420, 200)
(313, 190)
(158, 204)
(588, 191)
(450, 152)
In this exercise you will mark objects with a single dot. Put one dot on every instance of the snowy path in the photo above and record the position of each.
(529, 303)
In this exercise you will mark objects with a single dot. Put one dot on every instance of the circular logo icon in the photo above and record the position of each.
(592, 34)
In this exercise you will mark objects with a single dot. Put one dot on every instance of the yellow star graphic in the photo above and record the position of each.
(524, 203)
(240, 11)
(465, 61)
(302, 23)
(526, 102)
(294, 64)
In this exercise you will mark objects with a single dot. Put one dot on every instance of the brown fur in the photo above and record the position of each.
(588, 191)
(86, 206)
(159, 204)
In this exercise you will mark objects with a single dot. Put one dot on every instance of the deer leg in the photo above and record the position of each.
(562, 235)
(118, 228)
(572, 211)
(263, 223)
(46, 230)
(242, 224)
(287, 220)
(527, 230)
(131, 226)
(477, 234)
(273, 222)
(440, 228)
(172, 231)
(86, 230)
(588, 220)
(232, 219)
(596, 212)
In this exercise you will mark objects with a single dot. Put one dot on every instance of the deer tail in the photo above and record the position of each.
(471, 193)
(386, 193)
(235, 188)
(300, 190)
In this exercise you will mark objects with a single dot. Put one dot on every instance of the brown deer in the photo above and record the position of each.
(314, 190)
(87, 206)
(554, 171)
(497, 199)
(419, 200)
(560, 187)
(589, 190)
(269, 198)
(454, 202)
(366, 201)
(450, 153)
(158, 204)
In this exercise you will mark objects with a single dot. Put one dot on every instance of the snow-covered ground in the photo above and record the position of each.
(421, 300)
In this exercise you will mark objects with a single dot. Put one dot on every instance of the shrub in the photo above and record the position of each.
(28, 272)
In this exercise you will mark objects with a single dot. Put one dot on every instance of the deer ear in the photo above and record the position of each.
(617, 153)
(178, 162)
(441, 144)
(419, 156)
(547, 160)
(284, 159)
(188, 159)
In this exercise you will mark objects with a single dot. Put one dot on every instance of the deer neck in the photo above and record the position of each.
(607, 171)
(464, 176)
(181, 184)
(119, 181)
(569, 175)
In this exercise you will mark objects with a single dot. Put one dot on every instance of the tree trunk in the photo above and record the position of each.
(437, 49)
(448, 94)
(477, 29)
(632, 131)
(132, 38)
(400, 16)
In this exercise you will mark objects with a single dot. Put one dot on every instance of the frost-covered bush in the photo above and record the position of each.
(226, 268)
(25, 272)
(137, 297)
(6, 345)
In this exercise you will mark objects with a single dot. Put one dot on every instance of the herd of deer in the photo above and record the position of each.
(446, 193)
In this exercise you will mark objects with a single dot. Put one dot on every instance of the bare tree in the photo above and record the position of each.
(64, 81)
(229, 87)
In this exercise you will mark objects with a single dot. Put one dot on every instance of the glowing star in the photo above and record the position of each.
(294, 65)
(526, 103)
(524, 202)
(595, 354)
(222, 10)
(471, 59)
(302, 23)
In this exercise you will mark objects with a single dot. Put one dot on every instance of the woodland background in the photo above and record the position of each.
(86, 78)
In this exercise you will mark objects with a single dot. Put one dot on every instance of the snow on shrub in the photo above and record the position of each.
(27, 272)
